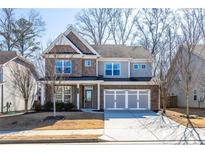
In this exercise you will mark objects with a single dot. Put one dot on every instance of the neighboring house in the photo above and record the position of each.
(98, 76)
(197, 78)
(11, 98)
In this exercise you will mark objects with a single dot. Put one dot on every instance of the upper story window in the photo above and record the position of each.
(1, 74)
(195, 95)
(136, 67)
(112, 69)
(63, 66)
(88, 63)
(143, 66)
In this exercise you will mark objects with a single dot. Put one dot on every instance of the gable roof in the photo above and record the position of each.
(199, 50)
(79, 42)
(122, 51)
(62, 40)
(6, 56)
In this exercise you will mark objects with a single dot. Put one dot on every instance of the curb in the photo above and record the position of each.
(50, 141)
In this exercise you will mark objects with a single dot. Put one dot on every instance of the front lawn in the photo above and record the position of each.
(37, 121)
(197, 121)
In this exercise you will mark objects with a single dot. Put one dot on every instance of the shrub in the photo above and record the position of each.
(48, 106)
(68, 106)
(37, 106)
(59, 106)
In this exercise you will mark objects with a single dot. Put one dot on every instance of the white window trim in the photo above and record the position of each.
(112, 69)
(63, 94)
(63, 62)
(86, 64)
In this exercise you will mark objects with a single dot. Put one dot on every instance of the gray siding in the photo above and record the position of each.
(123, 67)
(197, 83)
(147, 72)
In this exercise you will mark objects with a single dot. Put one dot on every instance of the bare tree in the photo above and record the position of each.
(151, 25)
(191, 36)
(23, 78)
(93, 25)
(7, 24)
(27, 32)
(122, 25)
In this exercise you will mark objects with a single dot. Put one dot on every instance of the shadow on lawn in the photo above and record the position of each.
(191, 131)
(38, 120)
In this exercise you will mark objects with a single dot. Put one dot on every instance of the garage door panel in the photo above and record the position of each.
(109, 99)
(126, 99)
(132, 101)
(143, 101)
(120, 101)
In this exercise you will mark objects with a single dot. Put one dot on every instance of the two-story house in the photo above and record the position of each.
(178, 75)
(12, 69)
(98, 76)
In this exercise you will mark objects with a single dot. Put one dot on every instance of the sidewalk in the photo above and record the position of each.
(52, 132)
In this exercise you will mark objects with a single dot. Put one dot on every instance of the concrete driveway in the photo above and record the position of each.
(147, 126)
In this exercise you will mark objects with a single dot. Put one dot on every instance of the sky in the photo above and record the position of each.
(57, 20)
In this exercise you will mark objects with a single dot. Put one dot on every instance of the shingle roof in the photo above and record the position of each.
(199, 50)
(5, 56)
(122, 51)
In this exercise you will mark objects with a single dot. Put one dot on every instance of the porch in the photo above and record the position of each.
(83, 94)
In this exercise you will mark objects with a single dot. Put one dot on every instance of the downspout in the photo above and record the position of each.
(159, 98)
(2, 99)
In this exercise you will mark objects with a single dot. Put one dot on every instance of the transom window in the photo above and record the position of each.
(63, 66)
(112, 69)
(136, 66)
(63, 94)
(88, 63)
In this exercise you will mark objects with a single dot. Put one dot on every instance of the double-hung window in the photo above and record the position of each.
(63, 66)
(116, 69)
(112, 69)
(67, 66)
(59, 66)
(63, 94)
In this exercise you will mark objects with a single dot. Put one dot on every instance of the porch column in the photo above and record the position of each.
(78, 96)
(98, 96)
(42, 94)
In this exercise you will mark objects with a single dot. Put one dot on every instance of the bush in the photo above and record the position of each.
(68, 106)
(59, 106)
(37, 106)
(48, 106)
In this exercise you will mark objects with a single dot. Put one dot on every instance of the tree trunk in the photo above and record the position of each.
(54, 105)
(26, 105)
(187, 105)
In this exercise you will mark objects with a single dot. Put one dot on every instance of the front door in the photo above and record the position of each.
(88, 98)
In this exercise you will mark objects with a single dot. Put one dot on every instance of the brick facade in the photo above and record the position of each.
(59, 49)
(80, 45)
(78, 67)
(89, 71)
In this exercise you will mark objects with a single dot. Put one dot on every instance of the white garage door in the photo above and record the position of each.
(126, 99)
